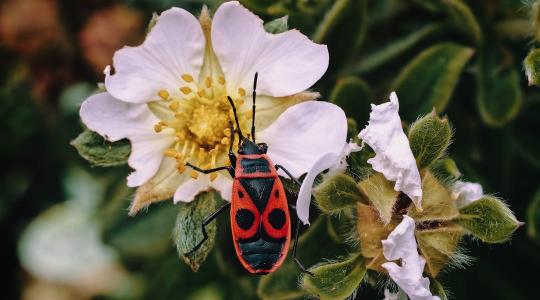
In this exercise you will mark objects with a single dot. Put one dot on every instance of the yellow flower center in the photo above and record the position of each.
(201, 119)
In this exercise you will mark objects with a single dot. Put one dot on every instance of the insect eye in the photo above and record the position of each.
(277, 218)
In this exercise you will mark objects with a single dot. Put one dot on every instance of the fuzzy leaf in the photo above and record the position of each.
(437, 289)
(394, 49)
(337, 193)
(429, 137)
(332, 17)
(533, 217)
(278, 25)
(531, 64)
(147, 235)
(354, 96)
(100, 152)
(464, 19)
(335, 280)
(352, 129)
(499, 97)
(438, 245)
(428, 81)
(445, 170)
(381, 194)
(489, 219)
(437, 203)
(188, 233)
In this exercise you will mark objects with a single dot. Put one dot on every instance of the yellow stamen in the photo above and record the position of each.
(174, 106)
(163, 94)
(240, 102)
(241, 92)
(194, 174)
(225, 141)
(186, 90)
(171, 153)
(187, 78)
(213, 176)
(208, 82)
(181, 167)
(221, 80)
(158, 128)
(227, 132)
(201, 93)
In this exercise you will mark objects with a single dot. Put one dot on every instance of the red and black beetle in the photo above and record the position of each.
(260, 219)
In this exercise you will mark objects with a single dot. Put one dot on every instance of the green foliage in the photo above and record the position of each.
(336, 193)
(488, 219)
(99, 152)
(335, 280)
(354, 96)
(499, 97)
(428, 81)
(446, 170)
(429, 138)
(278, 25)
(437, 289)
(533, 217)
(187, 230)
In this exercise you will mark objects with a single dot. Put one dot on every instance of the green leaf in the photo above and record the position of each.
(100, 152)
(429, 137)
(332, 17)
(395, 48)
(147, 235)
(278, 25)
(336, 280)
(353, 95)
(352, 129)
(72, 97)
(188, 232)
(531, 64)
(464, 19)
(533, 217)
(338, 192)
(499, 97)
(488, 219)
(428, 81)
(437, 289)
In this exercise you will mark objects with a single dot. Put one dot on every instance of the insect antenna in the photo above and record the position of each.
(254, 95)
(240, 135)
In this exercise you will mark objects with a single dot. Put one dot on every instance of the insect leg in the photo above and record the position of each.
(288, 174)
(205, 222)
(208, 171)
(295, 246)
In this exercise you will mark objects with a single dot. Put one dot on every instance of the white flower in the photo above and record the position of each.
(394, 158)
(168, 97)
(401, 244)
(466, 192)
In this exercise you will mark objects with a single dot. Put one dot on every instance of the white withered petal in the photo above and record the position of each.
(466, 192)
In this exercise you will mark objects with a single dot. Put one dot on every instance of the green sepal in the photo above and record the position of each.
(352, 129)
(353, 95)
(488, 219)
(438, 245)
(445, 170)
(437, 289)
(335, 280)
(429, 137)
(278, 25)
(428, 81)
(381, 194)
(188, 232)
(100, 152)
(499, 97)
(336, 193)
(531, 64)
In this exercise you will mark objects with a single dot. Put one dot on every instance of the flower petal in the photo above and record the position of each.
(394, 158)
(304, 195)
(175, 46)
(287, 63)
(466, 192)
(116, 120)
(192, 187)
(303, 134)
(401, 245)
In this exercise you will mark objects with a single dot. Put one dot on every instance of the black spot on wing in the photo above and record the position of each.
(244, 218)
(276, 218)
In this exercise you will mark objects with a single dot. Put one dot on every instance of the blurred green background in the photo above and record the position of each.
(64, 226)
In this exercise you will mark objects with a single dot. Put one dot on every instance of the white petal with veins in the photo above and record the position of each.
(466, 192)
(116, 120)
(192, 187)
(288, 63)
(394, 158)
(174, 46)
(401, 245)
